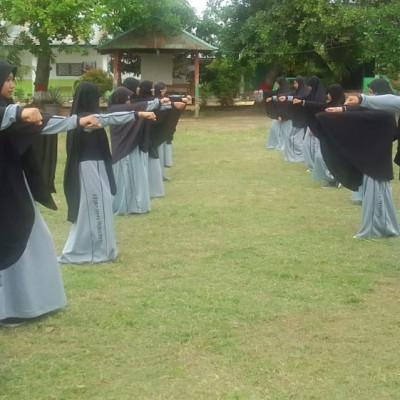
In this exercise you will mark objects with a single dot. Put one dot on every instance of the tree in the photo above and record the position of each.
(297, 36)
(43, 22)
(381, 26)
(167, 16)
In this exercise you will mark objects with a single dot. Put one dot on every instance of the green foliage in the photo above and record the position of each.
(329, 38)
(382, 40)
(47, 21)
(168, 16)
(205, 93)
(223, 77)
(19, 94)
(99, 77)
(53, 96)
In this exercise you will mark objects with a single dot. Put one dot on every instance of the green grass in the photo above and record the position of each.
(66, 87)
(243, 282)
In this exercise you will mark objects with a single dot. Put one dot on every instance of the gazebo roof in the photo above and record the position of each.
(149, 42)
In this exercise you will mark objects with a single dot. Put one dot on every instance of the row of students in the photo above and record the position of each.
(360, 161)
(99, 182)
(30, 278)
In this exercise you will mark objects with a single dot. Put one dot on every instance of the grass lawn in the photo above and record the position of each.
(244, 282)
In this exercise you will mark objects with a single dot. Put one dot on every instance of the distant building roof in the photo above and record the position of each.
(131, 40)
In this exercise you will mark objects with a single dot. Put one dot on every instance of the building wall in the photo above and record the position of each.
(156, 68)
(58, 79)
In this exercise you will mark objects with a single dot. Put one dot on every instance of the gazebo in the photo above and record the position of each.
(156, 51)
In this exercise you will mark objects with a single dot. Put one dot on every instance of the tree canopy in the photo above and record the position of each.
(44, 22)
(326, 37)
(331, 38)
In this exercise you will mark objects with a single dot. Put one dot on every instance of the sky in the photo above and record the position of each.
(199, 5)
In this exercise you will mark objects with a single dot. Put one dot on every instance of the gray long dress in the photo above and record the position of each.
(92, 238)
(168, 161)
(131, 177)
(156, 184)
(378, 217)
(310, 149)
(33, 286)
(293, 151)
(274, 139)
(320, 171)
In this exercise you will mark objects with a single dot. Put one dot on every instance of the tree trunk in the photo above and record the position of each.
(42, 76)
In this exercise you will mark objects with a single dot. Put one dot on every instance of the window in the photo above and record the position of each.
(69, 69)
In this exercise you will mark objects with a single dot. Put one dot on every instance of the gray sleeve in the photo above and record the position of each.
(58, 124)
(388, 102)
(9, 116)
(115, 118)
(153, 105)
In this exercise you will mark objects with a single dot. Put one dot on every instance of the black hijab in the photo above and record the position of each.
(158, 88)
(132, 84)
(125, 138)
(146, 92)
(302, 89)
(275, 109)
(299, 119)
(380, 86)
(317, 90)
(354, 143)
(283, 86)
(163, 129)
(20, 165)
(83, 146)
(338, 97)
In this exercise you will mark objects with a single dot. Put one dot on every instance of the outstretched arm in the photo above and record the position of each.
(13, 113)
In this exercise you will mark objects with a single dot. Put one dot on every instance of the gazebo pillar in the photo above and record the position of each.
(116, 69)
(196, 85)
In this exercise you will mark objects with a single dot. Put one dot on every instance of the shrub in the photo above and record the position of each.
(224, 80)
(99, 77)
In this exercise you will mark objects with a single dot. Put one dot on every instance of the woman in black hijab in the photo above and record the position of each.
(89, 187)
(310, 143)
(335, 96)
(293, 151)
(133, 85)
(357, 148)
(277, 112)
(30, 277)
(380, 86)
(156, 183)
(129, 158)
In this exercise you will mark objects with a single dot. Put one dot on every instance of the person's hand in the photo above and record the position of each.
(268, 99)
(90, 121)
(352, 100)
(165, 100)
(147, 115)
(179, 105)
(31, 115)
(297, 101)
(334, 109)
(282, 98)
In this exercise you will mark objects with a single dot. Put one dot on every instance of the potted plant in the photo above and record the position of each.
(52, 101)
